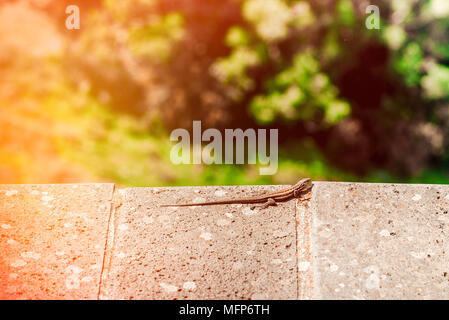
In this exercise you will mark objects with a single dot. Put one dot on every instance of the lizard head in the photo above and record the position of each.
(304, 184)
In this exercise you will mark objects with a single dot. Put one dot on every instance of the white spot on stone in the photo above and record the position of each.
(72, 282)
(416, 197)
(11, 241)
(31, 255)
(86, 279)
(220, 193)
(164, 219)
(123, 227)
(13, 275)
(11, 193)
(280, 234)
(189, 285)
(248, 212)
(206, 236)
(326, 233)
(372, 282)
(47, 198)
(371, 269)
(198, 199)
(443, 218)
(418, 255)
(73, 269)
(384, 233)
(237, 266)
(229, 215)
(68, 225)
(95, 266)
(333, 268)
(341, 285)
(121, 255)
(232, 233)
(147, 219)
(18, 263)
(354, 262)
(250, 253)
(59, 253)
(259, 296)
(276, 261)
(168, 287)
(446, 197)
(132, 210)
(303, 265)
(35, 192)
(223, 222)
(6, 226)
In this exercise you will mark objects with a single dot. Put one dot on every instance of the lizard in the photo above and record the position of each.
(268, 199)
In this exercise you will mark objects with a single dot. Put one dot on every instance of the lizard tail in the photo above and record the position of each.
(188, 204)
(202, 203)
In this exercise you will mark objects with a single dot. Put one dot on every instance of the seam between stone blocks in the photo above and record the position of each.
(296, 249)
(304, 215)
(110, 237)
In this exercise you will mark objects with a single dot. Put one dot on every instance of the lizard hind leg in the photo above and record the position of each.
(270, 202)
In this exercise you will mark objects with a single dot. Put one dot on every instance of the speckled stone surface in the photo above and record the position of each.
(349, 241)
(52, 240)
(379, 241)
(208, 252)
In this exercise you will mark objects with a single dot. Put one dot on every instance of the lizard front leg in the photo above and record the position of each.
(270, 202)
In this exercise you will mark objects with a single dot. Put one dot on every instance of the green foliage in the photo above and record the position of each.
(395, 36)
(288, 70)
(429, 26)
(351, 93)
(409, 64)
(299, 92)
(125, 150)
(269, 17)
(233, 69)
(155, 38)
(436, 82)
(237, 37)
(346, 13)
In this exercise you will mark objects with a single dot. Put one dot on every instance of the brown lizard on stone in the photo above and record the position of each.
(268, 199)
